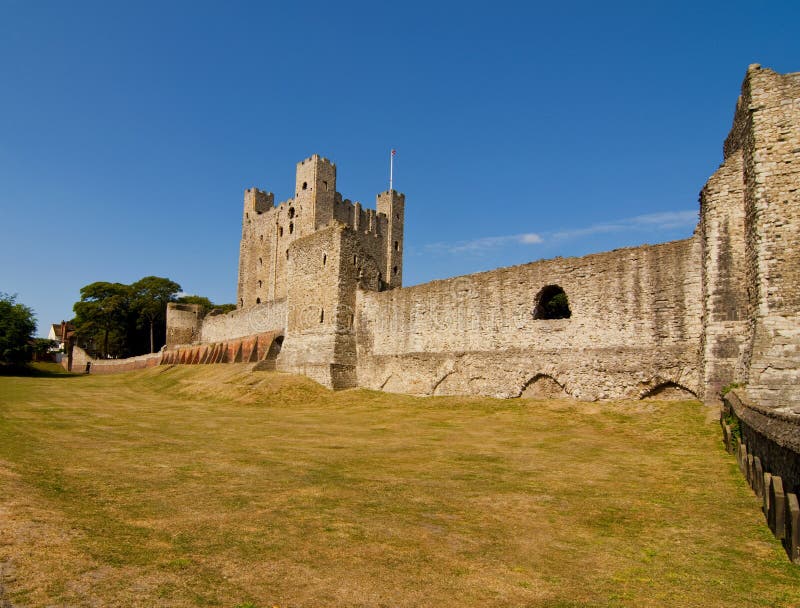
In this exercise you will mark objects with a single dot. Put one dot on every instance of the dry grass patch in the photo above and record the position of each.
(217, 486)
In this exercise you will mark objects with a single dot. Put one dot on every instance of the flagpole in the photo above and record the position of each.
(391, 169)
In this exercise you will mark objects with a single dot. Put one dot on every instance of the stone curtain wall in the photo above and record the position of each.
(721, 231)
(270, 316)
(769, 111)
(635, 326)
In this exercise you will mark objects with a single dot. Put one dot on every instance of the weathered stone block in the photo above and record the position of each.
(766, 502)
(758, 477)
(792, 540)
(776, 517)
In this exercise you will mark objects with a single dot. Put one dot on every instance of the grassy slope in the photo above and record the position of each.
(210, 485)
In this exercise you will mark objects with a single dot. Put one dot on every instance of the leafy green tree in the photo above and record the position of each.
(17, 325)
(42, 347)
(224, 308)
(207, 304)
(201, 300)
(103, 310)
(150, 298)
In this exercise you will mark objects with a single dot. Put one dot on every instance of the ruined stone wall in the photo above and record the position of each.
(635, 328)
(76, 363)
(721, 232)
(770, 143)
(183, 323)
(326, 268)
(265, 317)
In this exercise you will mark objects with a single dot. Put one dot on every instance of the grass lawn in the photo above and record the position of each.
(216, 486)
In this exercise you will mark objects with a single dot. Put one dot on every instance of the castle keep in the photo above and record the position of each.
(320, 292)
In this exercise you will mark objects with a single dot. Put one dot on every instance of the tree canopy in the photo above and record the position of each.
(119, 320)
(17, 326)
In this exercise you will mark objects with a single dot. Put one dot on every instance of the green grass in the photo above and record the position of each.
(216, 486)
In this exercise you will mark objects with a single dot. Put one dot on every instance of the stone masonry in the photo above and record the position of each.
(322, 277)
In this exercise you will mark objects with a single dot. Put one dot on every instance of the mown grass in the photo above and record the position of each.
(217, 486)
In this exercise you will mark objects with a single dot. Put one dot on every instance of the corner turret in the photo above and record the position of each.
(392, 204)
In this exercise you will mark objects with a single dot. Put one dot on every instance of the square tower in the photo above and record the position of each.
(315, 190)
(392, 204)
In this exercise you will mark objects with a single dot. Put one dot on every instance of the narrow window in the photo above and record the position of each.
(261, 238)
(260, 262)
(551, 303)
(324, 259)
(291, 212)
(280, 231)
(394, 270)
(291, 227)
(258, 300)
(355, 260)
(321, 315)
(241, 302)
(325, 184)
(397, 245)
(259, 284)
(287, 254)
(305, 185)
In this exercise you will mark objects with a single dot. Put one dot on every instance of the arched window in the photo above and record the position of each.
(258, 300)
(551, 303)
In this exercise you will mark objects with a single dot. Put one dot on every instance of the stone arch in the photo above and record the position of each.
(551, 303)
(437, 386)
(544, 386)
(668, 391)
(274, 349)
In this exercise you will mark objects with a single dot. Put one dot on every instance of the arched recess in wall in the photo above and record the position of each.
(544, 386)
(669, 391)
(274, 349)
(551, 303)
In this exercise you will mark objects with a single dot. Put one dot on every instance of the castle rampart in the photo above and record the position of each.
(633, 330)
(681, 318)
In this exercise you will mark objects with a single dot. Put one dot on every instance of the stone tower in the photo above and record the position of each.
(312, 253)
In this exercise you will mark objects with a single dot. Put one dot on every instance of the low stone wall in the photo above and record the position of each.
(77, 363)
(267, 317)
(767, 447)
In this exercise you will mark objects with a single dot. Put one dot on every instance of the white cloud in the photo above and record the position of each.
(651, 222)
(486, 242)
(668, 220)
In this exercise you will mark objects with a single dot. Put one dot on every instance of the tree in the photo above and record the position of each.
(103, 310)
(150, 298)
(17, 325)
(203, 301)
(208, 305)
(42, 348)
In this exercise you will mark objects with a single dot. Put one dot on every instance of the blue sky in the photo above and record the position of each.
(129, 131)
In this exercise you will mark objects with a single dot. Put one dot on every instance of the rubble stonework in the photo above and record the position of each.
(684, 318)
